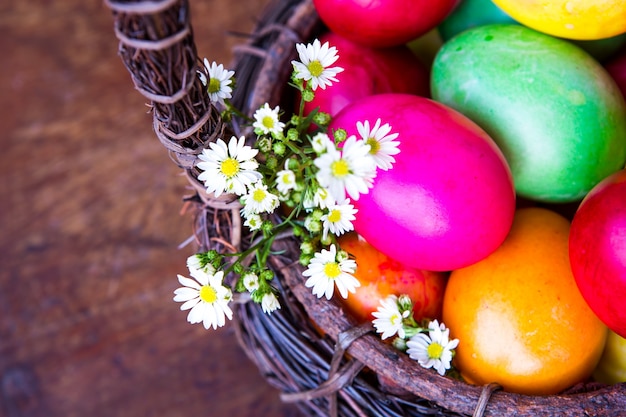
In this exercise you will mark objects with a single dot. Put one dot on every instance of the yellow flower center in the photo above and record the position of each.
(214, 85)
(395, 319)
(208, 294)
(268, 122)
(334, 216)
(332, 270)
(434, 350)
(316, 68)
(229, 167)
(286, 179)
(340, 168)
(374, 145)
(259, 195)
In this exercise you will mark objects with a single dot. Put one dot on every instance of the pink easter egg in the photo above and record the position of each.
(448, 201)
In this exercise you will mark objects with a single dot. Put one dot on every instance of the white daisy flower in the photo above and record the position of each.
(321, 142)
(194, 261)
(270, 303)
(312, 224)
(388, 318)
(433, 350)
(325, 271)
(253, 221)
(339, 219)
(207, 298)
(382, 144)
(259, 200)
(250, 281)
(285, 181)
(350, 170)
(228, 168)
(315, 66)
(266, 120)
(219, 81)
(198, 262)
(321, 198)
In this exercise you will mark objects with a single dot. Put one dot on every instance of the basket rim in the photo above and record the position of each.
(388, 362)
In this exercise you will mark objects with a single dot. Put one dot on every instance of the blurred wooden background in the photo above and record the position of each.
(89, 229)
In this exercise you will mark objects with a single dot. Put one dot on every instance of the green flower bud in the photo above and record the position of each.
(305, 259)
(213, 255)
(400, 344)
(278, 136)
(294, 79)
(340, 135)
(271, 163)
(266, 276)
(307, 247)
(264, 144)
(296, 197)
(321, 119)
(405, 304)
(316, 214)
(312, 225)
(293, 164)
(292, 135)
(238, 268)
(327, 240)
(342, 255)
(257, 296)
(298, 231)
(267, 228)
(308, 95)
(279, 148)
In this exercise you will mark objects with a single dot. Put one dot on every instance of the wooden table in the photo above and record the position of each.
(89, 229)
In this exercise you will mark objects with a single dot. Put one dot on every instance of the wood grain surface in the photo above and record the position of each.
(90, 223)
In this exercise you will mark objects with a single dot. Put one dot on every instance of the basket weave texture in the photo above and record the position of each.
(313, 352)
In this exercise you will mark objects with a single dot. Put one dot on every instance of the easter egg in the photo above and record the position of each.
(472, 13)
(554, 111)
(448, 201)
(598, 250)
(518, 314)
(573, 19)
(612, 366)
(381, 276)
(382, 23)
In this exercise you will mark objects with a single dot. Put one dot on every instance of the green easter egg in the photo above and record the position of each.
(472, 13)
(553, 110)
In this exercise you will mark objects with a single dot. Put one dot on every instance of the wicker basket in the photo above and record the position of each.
(157, 47)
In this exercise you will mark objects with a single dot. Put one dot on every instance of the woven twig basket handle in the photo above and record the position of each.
(157, 47)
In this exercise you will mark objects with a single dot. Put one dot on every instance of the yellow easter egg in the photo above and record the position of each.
(572, 19)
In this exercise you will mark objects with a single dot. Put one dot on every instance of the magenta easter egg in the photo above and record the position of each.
(597, 250)
(448, 201)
